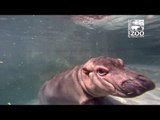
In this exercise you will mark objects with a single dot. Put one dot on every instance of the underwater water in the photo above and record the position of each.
(33, 48)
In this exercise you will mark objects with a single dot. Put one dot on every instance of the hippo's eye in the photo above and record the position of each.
(102, 71)
(86, 71)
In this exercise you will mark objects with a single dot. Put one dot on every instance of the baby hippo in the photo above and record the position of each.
(91, 82)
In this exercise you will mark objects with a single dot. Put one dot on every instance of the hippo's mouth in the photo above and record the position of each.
(115, 89)
(128, 93)
(133, 88)
(129, 88)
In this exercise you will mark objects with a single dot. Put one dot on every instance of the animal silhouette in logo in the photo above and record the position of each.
(136, 28)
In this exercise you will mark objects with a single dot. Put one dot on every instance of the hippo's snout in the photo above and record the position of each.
(135, 87)
(145, 82)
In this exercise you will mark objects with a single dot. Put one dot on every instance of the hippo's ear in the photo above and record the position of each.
(120, 61)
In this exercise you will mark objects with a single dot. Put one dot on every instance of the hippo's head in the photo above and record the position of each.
(108, 76)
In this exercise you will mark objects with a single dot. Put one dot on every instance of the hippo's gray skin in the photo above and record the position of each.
(91, 82)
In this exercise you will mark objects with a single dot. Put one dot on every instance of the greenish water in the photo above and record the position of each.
(33, 48)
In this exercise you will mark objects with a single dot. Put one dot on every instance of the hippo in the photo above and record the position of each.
(91, 82)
